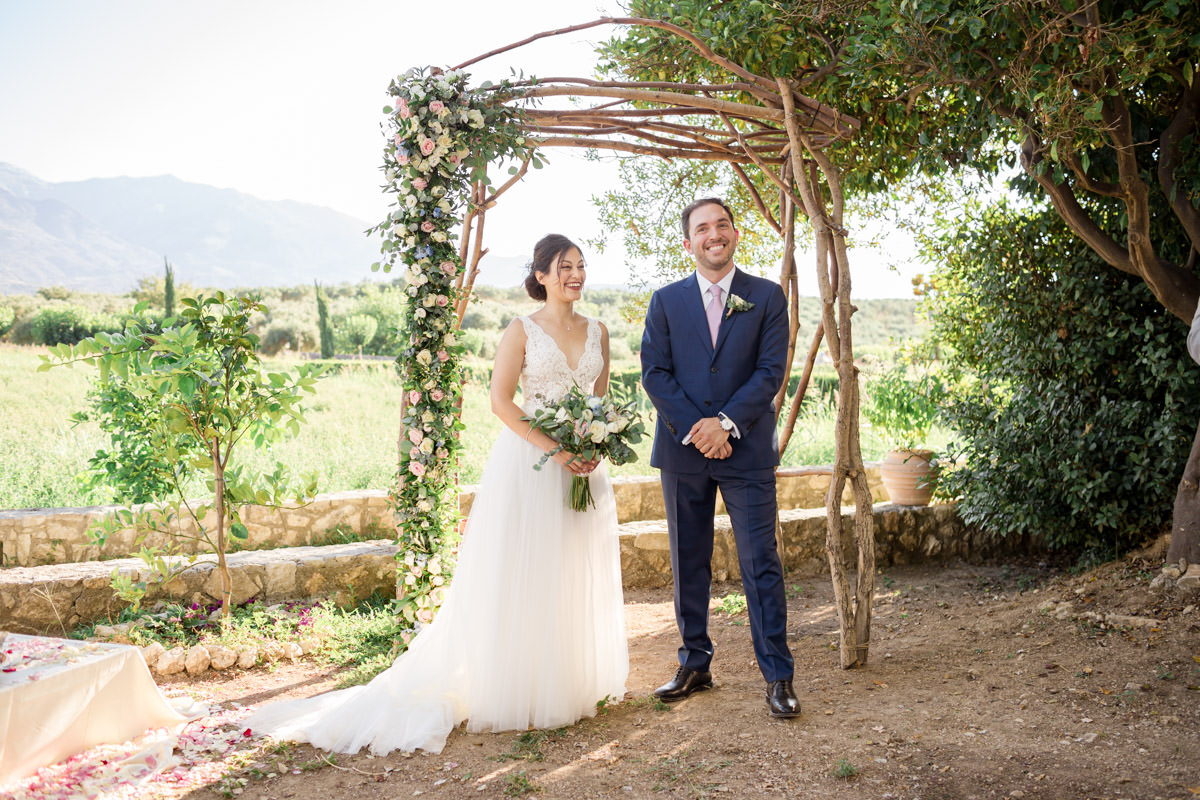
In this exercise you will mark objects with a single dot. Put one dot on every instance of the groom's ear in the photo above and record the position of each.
(687, 244)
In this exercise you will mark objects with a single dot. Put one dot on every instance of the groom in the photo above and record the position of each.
(714, 356)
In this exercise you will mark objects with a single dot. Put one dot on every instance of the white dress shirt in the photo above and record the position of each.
(706, 297)
(1193, 335)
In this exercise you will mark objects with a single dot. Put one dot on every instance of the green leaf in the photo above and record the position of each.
(239, 531)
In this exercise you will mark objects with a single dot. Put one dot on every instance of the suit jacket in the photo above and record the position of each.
(687, 378)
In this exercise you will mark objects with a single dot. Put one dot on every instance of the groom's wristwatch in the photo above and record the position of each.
(727, 425)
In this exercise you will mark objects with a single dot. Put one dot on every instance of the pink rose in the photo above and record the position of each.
(443, 356)
(427, 147)
(414, 397)
(453, 158)
(399, 140)
(437, 106)
(448, 268)
(416, 468)
(415, 436)
(420, 183)
(405, 111)
(425, 615)
(402, 159)
(427, 226)
(437, 395)
(442, 300)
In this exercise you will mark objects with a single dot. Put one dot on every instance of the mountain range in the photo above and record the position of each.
(104, 234)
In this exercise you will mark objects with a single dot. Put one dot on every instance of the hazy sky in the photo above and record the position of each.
(282, 100)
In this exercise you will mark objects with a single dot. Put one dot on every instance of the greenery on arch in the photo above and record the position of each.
(442, 136)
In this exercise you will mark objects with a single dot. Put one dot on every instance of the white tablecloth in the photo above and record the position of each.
(59, 697)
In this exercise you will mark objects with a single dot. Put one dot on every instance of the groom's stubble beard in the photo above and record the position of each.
(700, 255)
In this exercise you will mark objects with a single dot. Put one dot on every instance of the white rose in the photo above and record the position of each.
(444, 205)
(560, 415)
(430, 301)
(439, 236)
(597, 431)
(427, 446)
(420, 312)
(428, 417)
(410, 200)
(425, 358)
(424, 506)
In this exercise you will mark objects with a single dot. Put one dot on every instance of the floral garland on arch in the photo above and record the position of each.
(441, 138)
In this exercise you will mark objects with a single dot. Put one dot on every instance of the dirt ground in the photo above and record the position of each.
(981, 684)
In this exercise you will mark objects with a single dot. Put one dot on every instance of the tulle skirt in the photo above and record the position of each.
(531, 635)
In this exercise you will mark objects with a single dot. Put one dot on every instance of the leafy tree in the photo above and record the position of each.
(1076, 423)
(323, 324)
(358, 330)
(1096, 102)
(192, 393)
(7, 316)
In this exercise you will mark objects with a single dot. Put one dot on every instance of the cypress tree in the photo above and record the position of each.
(323, 324)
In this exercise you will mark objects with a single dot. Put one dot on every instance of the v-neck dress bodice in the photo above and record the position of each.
(547, 376)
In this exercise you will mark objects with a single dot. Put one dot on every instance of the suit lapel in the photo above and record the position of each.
(695, 311)
(737, 287)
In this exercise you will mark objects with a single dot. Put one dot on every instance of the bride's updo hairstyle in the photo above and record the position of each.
(545, 258)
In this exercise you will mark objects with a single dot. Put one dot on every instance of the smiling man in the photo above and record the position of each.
(714, 356)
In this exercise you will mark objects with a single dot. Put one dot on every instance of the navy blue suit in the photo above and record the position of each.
(687, 379)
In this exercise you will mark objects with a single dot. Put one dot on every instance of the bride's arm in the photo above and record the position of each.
(600, 387)
(506, 374)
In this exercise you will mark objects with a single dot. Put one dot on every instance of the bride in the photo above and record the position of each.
(532, 632)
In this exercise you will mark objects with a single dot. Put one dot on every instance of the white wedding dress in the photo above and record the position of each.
(532, 632)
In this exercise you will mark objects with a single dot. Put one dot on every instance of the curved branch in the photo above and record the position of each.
(757, 198)
(1169, 158)
(1065, 203)
(640, 149)
(697, 44)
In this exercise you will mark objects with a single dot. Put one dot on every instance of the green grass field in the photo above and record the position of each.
(349, 439)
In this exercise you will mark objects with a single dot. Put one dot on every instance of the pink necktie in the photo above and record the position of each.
(714, 312)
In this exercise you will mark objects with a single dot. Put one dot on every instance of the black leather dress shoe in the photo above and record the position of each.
(685, 682)
(781, 699)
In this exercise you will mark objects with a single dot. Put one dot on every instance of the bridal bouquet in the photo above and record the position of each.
(589, 428)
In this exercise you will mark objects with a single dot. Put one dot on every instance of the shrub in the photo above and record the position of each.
(68, 324)
(7, 317)
(1079, 416)
(284, 334)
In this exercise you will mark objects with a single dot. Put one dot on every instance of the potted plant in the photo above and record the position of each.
(903, 409)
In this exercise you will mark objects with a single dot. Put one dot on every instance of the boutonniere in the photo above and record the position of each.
(736, 303)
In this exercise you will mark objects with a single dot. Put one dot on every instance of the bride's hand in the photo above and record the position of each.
(574, 464)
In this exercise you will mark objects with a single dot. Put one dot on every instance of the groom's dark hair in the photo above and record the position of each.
(686, 217)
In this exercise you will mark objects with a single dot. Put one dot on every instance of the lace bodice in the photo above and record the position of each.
(546, 376)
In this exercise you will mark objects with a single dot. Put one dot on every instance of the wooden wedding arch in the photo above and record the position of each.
(750, 122)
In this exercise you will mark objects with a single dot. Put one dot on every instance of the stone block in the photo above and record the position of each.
(151, 653)
(280, 579)
(197, 660)
(172, 661)
(247, 657)
(221, 657)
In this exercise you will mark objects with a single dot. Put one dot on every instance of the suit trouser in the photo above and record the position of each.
(749, 497)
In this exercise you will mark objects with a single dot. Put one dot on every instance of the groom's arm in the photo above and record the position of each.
(753, 400)
(658, 373)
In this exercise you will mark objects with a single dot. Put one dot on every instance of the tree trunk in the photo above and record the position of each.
(1185, 529)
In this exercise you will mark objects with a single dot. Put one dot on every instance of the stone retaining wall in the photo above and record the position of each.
(57, 598)
(37, 537)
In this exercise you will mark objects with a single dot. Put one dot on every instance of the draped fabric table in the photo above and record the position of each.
(59, 697)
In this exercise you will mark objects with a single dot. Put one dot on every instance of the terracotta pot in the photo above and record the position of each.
(906, 474)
